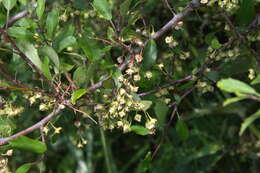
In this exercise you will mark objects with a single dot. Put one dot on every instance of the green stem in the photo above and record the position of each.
(106, 152)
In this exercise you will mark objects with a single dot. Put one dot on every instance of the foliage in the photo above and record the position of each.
(129, 86)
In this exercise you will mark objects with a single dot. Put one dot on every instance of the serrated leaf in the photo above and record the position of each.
(182, 130)
(124, 7)
(46, 69)
(215, 44)
(80, 76)
(24, 168)
(161, 109)
(9, 4)
(19, 32)
(77, 94)
(150, 54)
(30, 51)
(51, 53)
(52, 22)
(40, 8)
(233, 100)
(236, 86)
(248, 121)
(25, 143)
(140, 130)
(103, 8)
(66, 42)
(146, 104)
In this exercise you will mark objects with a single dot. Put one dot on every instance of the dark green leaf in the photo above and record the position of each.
(25, 143)
(24, 168)
(103, 8)
(116, 78)
(145, 164)
(90, 48)
(50, 52)
(150, 54)
(248, 121)
(52, 22)
(66, 42)
(80, 76)
(64, 33)
(77, 94)
(124, 7)
(140, 130)
(246, 12)
(161, 110)
(182, 130)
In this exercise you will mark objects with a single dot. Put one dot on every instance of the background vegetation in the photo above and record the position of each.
(111, 86)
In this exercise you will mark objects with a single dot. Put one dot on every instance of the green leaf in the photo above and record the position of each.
(235, 86)
(19, 32)
(103, 8)
(145, 164)
(51, 53)
(150, 54)
(146, 104)
(124, 7)
(66, 42)
(233, 100)
(40, 8)
(52, 22)
(23, 2)
(25, 143)
(77, 94)
(246, 13)
(64, 33)
(29, 50)
(248, 121)
(115, 77)
(80, 76)
(140, 130)
(215, 44)
(182, 130)
(24, 168)
(9, 4)
(45, 68)
(256, 80)
(161, 109)
(90, 48)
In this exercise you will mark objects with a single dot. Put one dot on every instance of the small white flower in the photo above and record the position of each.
(148, 75)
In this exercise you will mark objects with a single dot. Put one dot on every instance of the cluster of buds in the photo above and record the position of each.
(204, 86)
(10, 110)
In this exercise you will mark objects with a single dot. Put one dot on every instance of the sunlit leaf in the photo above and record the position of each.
(215, 44)
(9, 4)
(40, 8)
(77, 94)
(233, 100)
(46, 69)
(140, 130)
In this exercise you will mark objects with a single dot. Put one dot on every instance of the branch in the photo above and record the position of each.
(178, 17)
(38, 125)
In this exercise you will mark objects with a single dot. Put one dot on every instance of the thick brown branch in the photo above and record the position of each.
(178, 17)
(38, 125)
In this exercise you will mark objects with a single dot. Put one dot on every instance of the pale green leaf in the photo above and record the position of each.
(103, 8)
(236, 86)
(77, 94)
(40, 8)
(215, 44)
(150, 54)
(124, 7)
(233, 100)
(9, 4)
(140, 130)
(256, 80)
(248, 121)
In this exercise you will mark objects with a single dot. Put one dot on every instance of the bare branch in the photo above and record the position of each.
(38, 125)
(178, 17)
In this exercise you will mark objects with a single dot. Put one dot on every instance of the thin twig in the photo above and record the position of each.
(38, 125)
(178, 17)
